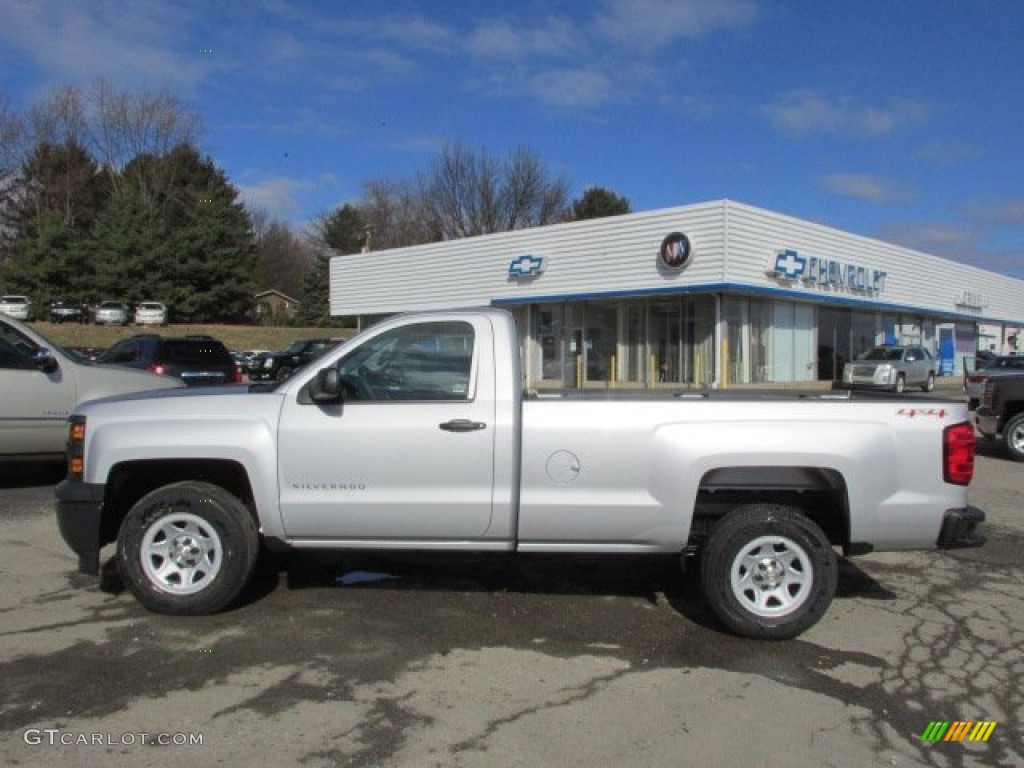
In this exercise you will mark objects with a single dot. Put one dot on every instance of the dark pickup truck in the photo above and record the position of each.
(1000, 414)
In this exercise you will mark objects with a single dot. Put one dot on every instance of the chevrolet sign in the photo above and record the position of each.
(526, 266)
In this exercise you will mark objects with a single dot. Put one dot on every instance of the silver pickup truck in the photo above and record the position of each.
(416, 434)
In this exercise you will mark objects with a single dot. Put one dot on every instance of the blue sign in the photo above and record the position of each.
(526, 266)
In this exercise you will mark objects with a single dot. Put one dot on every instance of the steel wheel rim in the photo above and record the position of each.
(771, 576)
(181, 553)
(1017, 438)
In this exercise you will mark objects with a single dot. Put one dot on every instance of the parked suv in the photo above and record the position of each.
(281, 365)
(112, 313)
(68, 311)
(196, 360)
(16, 306)
(892, 367)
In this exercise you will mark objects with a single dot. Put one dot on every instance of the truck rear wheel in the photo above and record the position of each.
(1013, 435)
(187, 549)
(768, 572)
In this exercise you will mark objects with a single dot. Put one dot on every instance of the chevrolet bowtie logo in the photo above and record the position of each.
(790, 265)
(526, 266)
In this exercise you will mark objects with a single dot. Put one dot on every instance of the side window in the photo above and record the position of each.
(426, 361)
(128, 352)
(14, 347)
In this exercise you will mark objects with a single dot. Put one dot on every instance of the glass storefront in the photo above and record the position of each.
(671, 342)
(628, 343)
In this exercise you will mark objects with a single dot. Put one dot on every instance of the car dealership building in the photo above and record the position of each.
(715, 294)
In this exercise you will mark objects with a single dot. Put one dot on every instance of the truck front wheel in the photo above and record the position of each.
(768, 572)
(187, 549)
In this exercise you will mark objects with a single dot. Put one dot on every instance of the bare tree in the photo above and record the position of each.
(125, 125)
(283, 258)
(475, 193)
(395, 215)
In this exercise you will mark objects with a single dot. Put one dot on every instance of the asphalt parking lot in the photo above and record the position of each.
(495, 662)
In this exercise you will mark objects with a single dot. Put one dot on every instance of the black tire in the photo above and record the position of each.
(768, 572)
(929, 383)
(283, 372)
(901, 384)
(215, 545)
(1013, 437)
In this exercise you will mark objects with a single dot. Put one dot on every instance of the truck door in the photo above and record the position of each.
(409, 454)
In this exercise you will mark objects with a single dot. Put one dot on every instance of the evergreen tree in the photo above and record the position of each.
(342, 232)
(596, 203)
(46, 218)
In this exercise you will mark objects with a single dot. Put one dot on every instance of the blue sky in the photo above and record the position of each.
(901, 120)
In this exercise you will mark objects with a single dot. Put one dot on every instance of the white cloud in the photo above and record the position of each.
(802, 113)
(657, 23)
(128, 44)
(280, 196)
(1003, 212)
(872, 189)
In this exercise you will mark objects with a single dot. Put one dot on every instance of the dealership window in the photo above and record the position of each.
(767, 341)
(632, 342)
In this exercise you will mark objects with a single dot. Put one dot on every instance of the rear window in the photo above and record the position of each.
(196, 351)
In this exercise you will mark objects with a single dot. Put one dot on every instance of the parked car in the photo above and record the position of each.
(1000, 414)
(16, 306)
(112, 312)
(196, 360)
(892, 367)
(280, 365)
(68, 311)
(151, 313)
(997, 366)
(41, 384)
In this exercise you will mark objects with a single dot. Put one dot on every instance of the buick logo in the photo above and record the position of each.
(676, 250)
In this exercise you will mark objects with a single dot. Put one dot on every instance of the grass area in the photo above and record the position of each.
(235, 337)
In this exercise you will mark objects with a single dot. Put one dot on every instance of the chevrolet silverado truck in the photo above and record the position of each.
(1000, 413)
(417, 435)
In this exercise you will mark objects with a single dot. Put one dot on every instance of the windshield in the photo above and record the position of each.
(881, 353)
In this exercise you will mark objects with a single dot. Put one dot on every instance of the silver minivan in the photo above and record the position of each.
(892, 367)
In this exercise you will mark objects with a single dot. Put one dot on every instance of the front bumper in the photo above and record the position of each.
(80, 519)
(959, 529)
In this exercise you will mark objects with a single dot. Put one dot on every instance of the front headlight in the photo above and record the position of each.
(268, 363)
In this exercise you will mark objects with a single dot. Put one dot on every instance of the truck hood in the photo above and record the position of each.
(179, 391)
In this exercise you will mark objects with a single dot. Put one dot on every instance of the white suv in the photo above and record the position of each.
(18, 307)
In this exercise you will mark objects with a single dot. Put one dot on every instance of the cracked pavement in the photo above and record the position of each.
(485, 661)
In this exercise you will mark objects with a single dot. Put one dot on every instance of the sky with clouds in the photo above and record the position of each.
(896, 120)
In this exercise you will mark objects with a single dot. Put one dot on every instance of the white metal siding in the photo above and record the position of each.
(733, 245)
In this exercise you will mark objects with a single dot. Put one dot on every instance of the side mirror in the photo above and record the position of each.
(326, 387)
(44, 361)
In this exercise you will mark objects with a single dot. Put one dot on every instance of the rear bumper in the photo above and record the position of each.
(987, 421)
(80, 519)
(959, 529)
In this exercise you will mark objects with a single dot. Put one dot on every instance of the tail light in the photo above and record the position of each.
(76, 447)
(987, 394)
(958, 446)
(238, 375)
(157, 368)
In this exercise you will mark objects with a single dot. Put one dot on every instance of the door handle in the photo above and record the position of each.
(462, 425)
